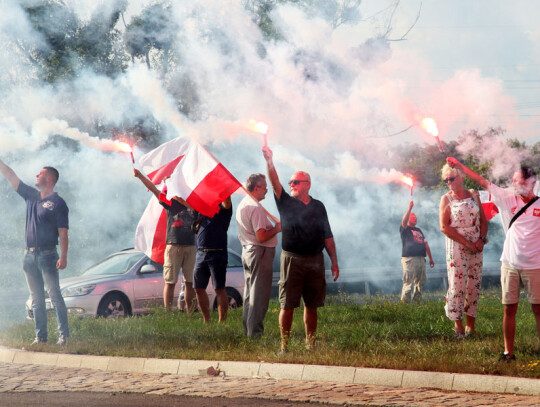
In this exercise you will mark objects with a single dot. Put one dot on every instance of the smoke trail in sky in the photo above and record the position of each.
(329, 94)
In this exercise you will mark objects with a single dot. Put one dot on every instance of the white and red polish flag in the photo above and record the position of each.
(202, 181)
(194, 175)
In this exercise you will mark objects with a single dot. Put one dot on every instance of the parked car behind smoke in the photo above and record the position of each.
(128, 283)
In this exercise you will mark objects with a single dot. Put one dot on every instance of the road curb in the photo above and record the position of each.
(353, 375)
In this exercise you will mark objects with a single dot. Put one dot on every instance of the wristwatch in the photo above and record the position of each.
(484, 239)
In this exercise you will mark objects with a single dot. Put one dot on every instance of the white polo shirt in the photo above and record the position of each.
(521, 248)
(251, 217)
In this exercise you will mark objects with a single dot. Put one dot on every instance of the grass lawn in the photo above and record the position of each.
(380, 333)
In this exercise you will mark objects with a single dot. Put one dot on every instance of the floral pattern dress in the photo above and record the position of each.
(464, 268)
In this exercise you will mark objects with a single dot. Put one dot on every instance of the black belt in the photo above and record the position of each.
(211, 250)
(40, 249)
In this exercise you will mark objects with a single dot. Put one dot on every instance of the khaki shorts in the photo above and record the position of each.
(510, 284)
(179, 257)
(301, 277)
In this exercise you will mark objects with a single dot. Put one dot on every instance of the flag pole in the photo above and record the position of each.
(272, 217)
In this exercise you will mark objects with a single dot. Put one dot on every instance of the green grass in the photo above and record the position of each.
(381, 333)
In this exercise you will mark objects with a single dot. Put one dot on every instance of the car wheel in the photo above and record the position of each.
(234, 298)
(113, 306)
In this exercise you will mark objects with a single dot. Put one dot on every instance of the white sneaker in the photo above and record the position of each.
(61, 340)
(37, 341)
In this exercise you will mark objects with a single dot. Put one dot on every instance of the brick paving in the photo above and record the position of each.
(16, 377)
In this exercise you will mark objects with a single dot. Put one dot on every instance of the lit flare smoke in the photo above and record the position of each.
(46, 127)
(430, 126)
(408, 181)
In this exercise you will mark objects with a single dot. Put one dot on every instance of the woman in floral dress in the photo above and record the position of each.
(462, 220)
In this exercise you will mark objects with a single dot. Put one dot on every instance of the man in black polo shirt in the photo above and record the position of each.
(413, 257)
(212, 260)
(305, 233)
(46, 224)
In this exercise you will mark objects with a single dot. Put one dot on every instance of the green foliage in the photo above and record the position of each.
(153, 31)
(382, 332)
(70, 45)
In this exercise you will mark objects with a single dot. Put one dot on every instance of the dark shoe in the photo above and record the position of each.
(506, 358)
(37, 341)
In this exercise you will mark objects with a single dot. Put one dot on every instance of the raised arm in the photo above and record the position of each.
(10, 175)
(405, 219)
(330, 247)
(272, 174)
(452, 162)
(147, 183)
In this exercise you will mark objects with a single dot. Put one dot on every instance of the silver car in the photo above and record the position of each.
(128, 283)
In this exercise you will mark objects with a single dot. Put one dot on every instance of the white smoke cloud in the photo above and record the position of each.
(330, 97)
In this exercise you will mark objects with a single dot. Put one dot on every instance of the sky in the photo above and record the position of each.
(336, 101)
(483, 53)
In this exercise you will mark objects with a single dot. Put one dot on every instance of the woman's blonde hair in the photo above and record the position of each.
(448, 171)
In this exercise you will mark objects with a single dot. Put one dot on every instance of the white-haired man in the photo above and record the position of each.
(258, 238)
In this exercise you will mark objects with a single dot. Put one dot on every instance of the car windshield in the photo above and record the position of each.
(118, 263)
(234, 260)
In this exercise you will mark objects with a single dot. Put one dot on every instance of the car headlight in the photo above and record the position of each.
(78, 291)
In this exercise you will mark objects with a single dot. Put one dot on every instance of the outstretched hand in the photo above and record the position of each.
(267, 153)
(411, 204)
(452, 162)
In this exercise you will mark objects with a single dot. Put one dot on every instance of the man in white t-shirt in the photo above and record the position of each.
(258, 238)
(521, 251)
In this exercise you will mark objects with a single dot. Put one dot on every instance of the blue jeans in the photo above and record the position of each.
(41, 274)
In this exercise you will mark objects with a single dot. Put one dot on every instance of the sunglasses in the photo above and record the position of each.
(296, 181)
(450, 179)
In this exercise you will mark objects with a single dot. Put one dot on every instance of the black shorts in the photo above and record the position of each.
(210, 264)
(301, 277)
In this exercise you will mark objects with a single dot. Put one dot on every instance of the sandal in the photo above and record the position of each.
(470, 335)
(459, 335)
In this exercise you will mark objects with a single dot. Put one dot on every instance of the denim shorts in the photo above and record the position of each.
(210, 264)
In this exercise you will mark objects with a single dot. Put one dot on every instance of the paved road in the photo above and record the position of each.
(96, 387)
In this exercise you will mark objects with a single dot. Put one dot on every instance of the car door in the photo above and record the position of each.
(148, 286)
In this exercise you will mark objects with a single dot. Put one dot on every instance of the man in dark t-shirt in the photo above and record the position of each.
(180, 251)
(413, 257)
(305, 233)
(212, 260)
(46, 225)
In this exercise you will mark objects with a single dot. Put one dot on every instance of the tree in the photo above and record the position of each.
(152, 35)
(70, 44)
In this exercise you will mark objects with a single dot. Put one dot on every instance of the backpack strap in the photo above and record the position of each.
(517, 215)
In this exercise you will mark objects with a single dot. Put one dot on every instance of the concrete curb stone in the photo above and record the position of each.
(369, 376)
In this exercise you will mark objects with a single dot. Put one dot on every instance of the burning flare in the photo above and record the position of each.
(259, 127)
(408, 181)
(122, 146)
(430, 126)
